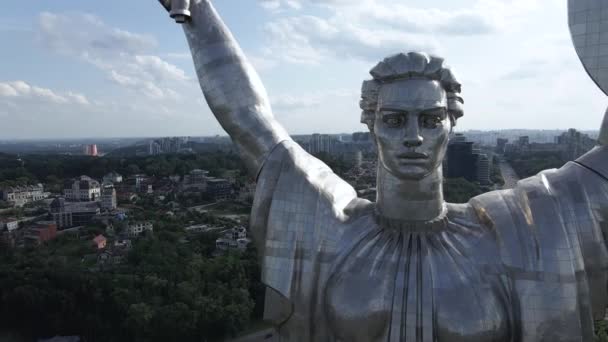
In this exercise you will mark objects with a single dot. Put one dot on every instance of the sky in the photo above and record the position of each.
(115, 68)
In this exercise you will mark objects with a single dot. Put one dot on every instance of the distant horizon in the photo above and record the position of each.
(224, 135)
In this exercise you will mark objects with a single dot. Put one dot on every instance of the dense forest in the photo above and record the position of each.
(170, 288)
(533, 163)
(52, 169)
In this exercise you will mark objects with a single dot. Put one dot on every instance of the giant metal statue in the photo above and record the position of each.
(525, 264)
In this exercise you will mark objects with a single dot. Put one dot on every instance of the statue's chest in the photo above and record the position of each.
(415, 287)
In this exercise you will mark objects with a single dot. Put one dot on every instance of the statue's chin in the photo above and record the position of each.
(408, 172)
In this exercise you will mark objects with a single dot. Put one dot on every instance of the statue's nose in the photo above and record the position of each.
(412, 135)
(413, 142)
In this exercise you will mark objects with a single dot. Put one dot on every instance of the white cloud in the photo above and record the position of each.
(288, 101)
(371, 29)
(79, 33)
(77, 98)
(270, 4)
(310, 40)
(179, 55)
(24, 91)
(122, 79)
(147, 75)
(124, 56)
(295, 102)
(160, 69)
(274, 5)
(7, 91)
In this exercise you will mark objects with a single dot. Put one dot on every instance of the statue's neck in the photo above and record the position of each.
(410, 200)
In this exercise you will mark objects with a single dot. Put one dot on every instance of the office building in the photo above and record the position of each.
(83, 189)
(73, 214)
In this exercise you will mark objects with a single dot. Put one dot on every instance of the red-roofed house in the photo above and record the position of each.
(100, 242)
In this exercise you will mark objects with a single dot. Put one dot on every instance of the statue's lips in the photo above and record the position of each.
(412, 156)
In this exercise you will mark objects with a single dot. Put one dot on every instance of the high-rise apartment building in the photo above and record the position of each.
(322, 143)
(108, 197)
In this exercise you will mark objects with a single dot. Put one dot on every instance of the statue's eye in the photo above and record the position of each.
(393, 120)
(431, 121)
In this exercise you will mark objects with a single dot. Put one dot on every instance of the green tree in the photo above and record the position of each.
(459, 190)
(601, 331)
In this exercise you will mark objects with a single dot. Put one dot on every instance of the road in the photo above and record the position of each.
(267, 335)
(508, 174)
(202, 208)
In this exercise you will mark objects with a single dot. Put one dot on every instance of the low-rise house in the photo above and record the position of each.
(9, 224)
(231, 175)
(21, 195)
(112, 256)
(219, 189)
(112, 177)
(126, 195)
(122, 244)
(237, 233)
(195, 180)
(163, 186)
(233, 239)
(202, 228)
(224, 244)
(139, 183)
(243, 243)
(138, 228)
(100, 242)
(246, 192)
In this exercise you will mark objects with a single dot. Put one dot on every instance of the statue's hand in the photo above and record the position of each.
(602, 139)
(178, 9)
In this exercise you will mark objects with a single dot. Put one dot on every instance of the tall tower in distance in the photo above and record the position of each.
(90, 150)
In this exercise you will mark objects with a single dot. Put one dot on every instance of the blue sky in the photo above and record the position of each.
(122, 68)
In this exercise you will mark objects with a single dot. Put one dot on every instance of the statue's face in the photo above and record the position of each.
(411, 127)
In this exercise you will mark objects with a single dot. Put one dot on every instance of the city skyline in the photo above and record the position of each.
(84, 69)
(223, 135)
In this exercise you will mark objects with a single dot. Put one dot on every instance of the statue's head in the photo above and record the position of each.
(410, 108)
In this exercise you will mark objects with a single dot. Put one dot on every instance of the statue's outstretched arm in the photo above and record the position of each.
(231, 86)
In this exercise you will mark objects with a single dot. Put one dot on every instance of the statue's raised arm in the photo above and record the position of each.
(231, 86)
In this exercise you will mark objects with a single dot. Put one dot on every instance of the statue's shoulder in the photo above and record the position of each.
(507, 208)
(539, 202)
(545, 185)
